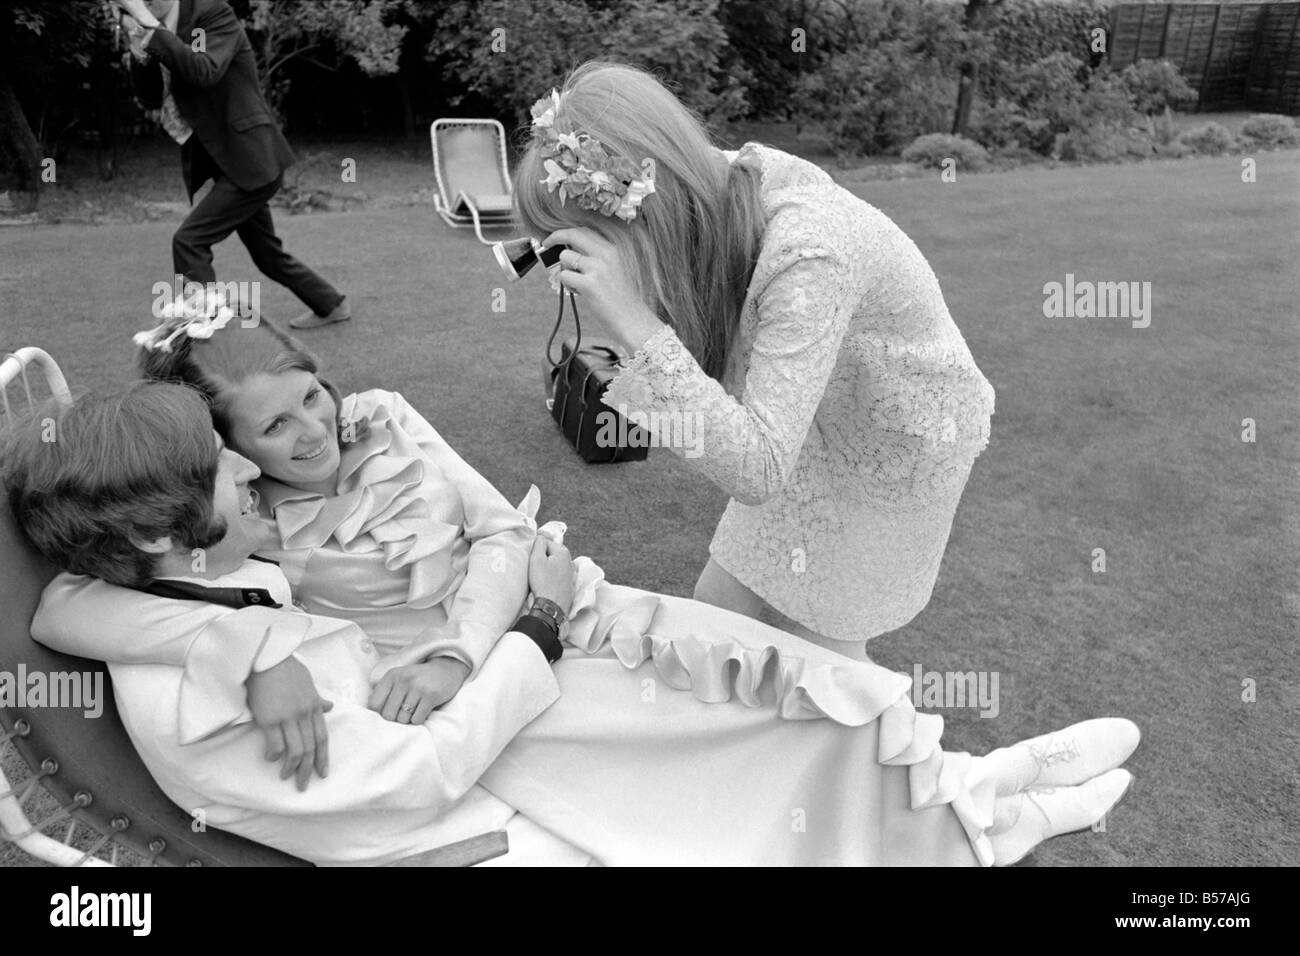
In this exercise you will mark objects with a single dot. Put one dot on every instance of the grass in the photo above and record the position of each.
(1105, 436)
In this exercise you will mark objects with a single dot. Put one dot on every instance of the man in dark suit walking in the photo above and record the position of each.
(195, 64)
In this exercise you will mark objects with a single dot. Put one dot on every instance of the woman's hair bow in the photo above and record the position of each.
(198, 317)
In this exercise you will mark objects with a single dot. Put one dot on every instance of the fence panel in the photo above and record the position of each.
(1236, 55)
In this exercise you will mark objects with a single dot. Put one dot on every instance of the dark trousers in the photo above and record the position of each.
(226, 209)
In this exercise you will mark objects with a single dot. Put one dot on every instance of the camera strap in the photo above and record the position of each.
(559, 319)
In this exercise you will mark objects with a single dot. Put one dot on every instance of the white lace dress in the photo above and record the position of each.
(847, 419)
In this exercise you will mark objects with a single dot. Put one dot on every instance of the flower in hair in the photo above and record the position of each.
(580, 167)
(198, 317)
(544, 110)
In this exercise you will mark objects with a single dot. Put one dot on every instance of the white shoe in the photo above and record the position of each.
(1070, 756)
(1024, 820)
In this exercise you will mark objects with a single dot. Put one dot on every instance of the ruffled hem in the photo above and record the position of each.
(853, 693)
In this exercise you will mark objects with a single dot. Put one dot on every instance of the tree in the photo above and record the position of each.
(976, 17)
(510, 53)
(357, 30)
(51, 54)
(20, 161)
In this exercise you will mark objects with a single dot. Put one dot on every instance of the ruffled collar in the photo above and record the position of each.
(388, 496)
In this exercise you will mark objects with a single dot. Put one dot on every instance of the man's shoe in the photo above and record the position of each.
(310, 320)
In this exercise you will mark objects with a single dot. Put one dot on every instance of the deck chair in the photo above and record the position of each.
(469, 163)
(104, 799)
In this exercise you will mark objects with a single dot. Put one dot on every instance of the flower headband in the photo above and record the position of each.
(198, 317)
(583, 169)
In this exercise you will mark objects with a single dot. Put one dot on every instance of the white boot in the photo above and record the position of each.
(1026, 819)
(1070, 756)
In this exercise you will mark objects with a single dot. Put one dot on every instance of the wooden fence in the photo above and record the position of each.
(1238, 56)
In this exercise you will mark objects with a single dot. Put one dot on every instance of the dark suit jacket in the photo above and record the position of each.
(217, 92)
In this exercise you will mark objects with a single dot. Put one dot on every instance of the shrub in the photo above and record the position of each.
(1056, 104)
(892, 78)
(1027, 31)
(1175, 149)
(1003, 127)
(1270, 129)
(933, 149)
(1094, 144)
(1049, 89)
(680, 40)
(1162, 128)
(1211, 139)
(1106, 102)
(1155, 86)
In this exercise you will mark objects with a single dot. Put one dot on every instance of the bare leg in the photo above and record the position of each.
(717, 587)
(857, 650)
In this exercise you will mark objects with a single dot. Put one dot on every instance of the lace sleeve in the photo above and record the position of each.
(750, 445)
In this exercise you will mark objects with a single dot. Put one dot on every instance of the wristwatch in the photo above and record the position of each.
(552, 610)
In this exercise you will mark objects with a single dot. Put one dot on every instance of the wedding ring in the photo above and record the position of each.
(406, 709)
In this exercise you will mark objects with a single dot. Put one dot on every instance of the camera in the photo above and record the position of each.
(517, 256)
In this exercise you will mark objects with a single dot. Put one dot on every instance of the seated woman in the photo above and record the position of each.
(392, 530)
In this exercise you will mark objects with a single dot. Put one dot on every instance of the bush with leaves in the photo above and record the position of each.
(760, 36)
(934, 149)
(1100, 124)
(324, 32)
(1058, 106)
(892, 79)
(1041, 101)
(1270, 129)
(1023, 32)
(510, 53)
(1156, 85)
(1005, 128)
(1211, 139)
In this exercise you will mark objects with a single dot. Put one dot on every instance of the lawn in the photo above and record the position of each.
(1105, 436)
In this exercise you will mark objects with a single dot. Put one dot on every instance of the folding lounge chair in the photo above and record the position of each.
(469, 163)
(100, 795)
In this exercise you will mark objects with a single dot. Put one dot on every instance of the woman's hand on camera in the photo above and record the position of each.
(551, 572)
(593, 267)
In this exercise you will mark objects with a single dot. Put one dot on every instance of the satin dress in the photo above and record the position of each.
(683, 733)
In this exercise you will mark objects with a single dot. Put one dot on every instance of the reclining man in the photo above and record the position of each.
(102, 502)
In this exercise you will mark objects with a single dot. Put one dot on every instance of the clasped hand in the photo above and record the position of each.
(409, 694)
(291, 716)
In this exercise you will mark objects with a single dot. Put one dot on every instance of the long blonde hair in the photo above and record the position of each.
(696, 239)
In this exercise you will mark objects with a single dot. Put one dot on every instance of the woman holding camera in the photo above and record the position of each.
(840, 406)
